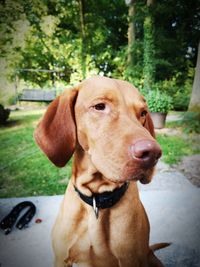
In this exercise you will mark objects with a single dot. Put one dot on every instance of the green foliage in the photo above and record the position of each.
(176, 35)
(181, 99)
(52, 38)
(134, 73)
(169, 61)
(64, 46)
(47, 35)
(178, 91)
(158, 101)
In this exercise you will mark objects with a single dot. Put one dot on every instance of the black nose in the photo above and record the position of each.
(146, 152)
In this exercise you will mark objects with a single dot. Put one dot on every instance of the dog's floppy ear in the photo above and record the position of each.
(56, 132)
(149, 125)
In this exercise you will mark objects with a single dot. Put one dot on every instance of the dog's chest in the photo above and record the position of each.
(93, 246)
(103, 242)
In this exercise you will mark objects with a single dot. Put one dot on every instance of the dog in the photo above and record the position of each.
(105, 124)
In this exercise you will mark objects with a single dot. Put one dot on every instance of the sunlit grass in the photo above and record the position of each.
(175, 147)
(25, 170)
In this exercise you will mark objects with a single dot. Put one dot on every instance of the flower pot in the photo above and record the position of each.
(158, 119)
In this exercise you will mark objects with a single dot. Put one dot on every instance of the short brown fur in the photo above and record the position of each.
(100, 143)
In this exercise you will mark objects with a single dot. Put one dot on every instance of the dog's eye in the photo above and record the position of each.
(143, 114)
(100, 106)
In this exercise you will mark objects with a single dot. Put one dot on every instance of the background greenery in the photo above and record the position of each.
(78, 38)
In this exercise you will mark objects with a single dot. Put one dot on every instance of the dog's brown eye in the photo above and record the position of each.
(143, 113)
(100, 106)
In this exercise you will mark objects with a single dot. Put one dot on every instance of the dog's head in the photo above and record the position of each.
(110, 121)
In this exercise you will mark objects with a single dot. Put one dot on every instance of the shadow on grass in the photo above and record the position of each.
(21, 120)
(11, 123)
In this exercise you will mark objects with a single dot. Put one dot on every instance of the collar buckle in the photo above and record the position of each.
(95, 208)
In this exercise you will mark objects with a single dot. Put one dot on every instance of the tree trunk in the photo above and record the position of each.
(149, 50)
(83, 38)
(195, 97)
(131, 31)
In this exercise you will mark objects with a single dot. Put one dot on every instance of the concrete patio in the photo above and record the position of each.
(172, 204)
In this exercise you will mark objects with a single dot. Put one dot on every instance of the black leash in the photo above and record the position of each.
(8, 222)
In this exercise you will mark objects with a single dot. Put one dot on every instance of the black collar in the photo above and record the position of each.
(103, 200)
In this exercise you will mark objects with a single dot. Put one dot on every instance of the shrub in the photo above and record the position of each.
(158, 101)
(179, 92)
(181, 101)
(191, 122)
(4, 114)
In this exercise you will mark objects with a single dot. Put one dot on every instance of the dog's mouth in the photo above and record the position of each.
(145, 179)
(133, 174)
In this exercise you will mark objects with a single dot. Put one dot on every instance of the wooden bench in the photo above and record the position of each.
(37, 95)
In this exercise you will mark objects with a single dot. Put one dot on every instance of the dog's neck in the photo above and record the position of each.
(87, 178)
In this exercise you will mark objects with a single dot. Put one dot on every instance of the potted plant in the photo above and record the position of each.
(159, 104)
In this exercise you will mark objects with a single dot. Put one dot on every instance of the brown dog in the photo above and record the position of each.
(106, 124)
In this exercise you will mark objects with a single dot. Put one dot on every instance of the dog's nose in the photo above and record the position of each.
(146, 152)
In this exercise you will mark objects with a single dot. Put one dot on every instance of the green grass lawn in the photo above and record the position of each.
(25, 170)
(175, 147)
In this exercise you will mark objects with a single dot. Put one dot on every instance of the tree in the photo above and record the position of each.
(176, 33)
(149, 49)
(195, 96)
(131, 31)
(80, 38)
(75, 37)
(83, 38)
